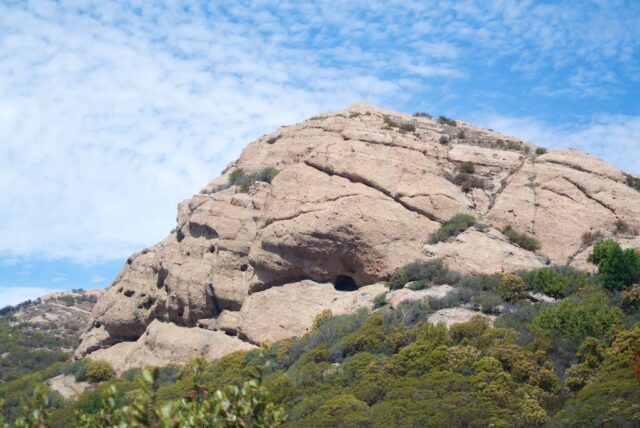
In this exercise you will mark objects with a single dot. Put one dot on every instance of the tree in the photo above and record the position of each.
(618, 268)
(512, 288)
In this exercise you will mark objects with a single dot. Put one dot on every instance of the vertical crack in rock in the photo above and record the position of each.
(534, 188)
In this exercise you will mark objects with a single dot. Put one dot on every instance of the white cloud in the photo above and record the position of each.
(614, 138)
(15, 295)
(112, 112)
(105, 128)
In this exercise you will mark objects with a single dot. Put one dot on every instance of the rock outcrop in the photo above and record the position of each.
(357, 195)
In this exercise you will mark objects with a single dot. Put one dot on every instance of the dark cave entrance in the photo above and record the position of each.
(345, 283)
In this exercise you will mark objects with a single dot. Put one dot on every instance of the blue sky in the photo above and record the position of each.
(113, 112)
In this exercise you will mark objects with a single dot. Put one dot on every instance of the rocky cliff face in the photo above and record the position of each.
(357, 195)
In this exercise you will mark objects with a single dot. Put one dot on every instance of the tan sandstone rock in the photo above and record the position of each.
(289, 310)
(357, 195)
(483, 252)
(164, 343)
(451, 316)
(395, 297)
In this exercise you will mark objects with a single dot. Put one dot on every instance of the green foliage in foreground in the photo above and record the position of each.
(575, 362)
(391, 368)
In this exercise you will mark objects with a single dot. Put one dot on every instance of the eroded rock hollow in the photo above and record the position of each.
(357, 195)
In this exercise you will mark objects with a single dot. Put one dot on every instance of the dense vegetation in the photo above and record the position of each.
(574, 362)
(25, 350)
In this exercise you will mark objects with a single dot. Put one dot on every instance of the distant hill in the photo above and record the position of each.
(35, 334)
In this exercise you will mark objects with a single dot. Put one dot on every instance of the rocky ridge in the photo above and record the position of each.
(61, 315)
(357, 195)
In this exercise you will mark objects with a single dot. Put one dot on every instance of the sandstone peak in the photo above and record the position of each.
(315, 215)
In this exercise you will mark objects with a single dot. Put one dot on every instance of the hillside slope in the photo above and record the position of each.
(35, 334)
(317, 215)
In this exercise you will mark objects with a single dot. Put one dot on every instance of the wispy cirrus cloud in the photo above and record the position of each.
(614, 138)
(112, 112)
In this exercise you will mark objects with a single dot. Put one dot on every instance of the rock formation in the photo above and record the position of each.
(357, 195)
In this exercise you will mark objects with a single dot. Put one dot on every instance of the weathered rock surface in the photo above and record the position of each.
(288, 311)
(451, 316)
(67, 386)
(357, 195)
(483, 252)
(164, 343)
(395, 297)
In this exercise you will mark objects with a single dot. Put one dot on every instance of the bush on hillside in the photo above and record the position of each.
(512, 288)
(631, 298)
(521, 239)
(468, 182)
(244, 180)
(444, 120)
(617, 268)
(458, 224)
(98, 370)
(431, 272)
(422, 114)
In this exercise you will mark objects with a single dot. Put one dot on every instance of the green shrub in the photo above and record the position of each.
(444, 140)
(617, 268)
(578, 317)
(467, 182)
(267, 174)
(471, 329)
(400, 125)
(512, 288)
(380, 300)
(458, 224)
(467, 167)
(557, 281)
(633, 182)
(462, 135)
(422, 114)
(98, 370)
(431, 272)
(541, 150)
(521, 239)
(244, 180)
(444, 120)
(589, 238)
(631, 298)
(550, 283)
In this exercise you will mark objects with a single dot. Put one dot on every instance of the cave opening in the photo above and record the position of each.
(345, 283)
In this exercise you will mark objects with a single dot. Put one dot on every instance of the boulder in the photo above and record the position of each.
(289, 310)
(166, 343)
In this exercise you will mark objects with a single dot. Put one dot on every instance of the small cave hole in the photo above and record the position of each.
(244, 267)
(345, 283)
(129, 293)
